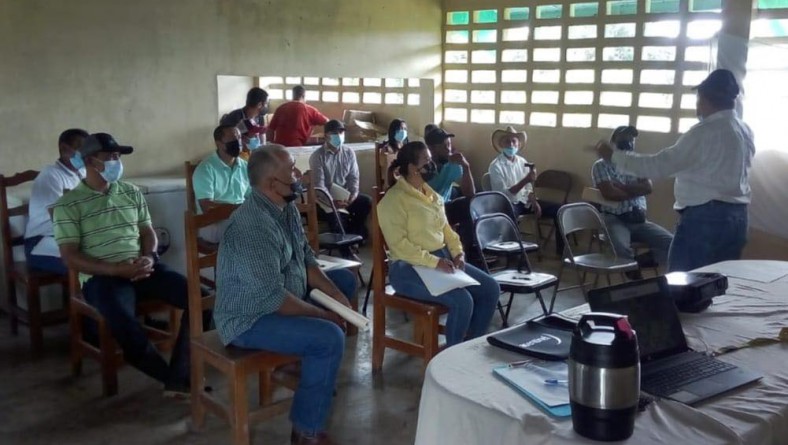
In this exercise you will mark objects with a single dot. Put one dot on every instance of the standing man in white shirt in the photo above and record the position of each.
(41, 250)
(711, 164)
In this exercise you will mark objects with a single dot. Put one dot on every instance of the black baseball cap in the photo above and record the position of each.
(720, 83)
(98, 142)
(436, 136)
(333, 126)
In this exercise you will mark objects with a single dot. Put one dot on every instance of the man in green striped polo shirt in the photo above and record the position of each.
(104, 231)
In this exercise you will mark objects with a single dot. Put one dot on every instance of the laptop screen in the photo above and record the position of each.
(651, 313)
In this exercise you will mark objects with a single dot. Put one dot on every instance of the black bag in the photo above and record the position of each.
(634, 216)
(546, 337)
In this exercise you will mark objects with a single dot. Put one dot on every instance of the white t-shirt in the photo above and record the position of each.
(48, 187)
(505, 173)
(710, 162)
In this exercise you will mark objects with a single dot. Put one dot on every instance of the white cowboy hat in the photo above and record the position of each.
(509, 131)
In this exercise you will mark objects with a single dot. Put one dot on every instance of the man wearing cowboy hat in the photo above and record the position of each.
(513, 176)
(627, 221)
(711, 163)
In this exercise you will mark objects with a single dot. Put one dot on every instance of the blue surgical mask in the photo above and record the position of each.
(254, 143)
(77, 162)
(336, 140)
(509, 151)
(401, 135)
(113, 170)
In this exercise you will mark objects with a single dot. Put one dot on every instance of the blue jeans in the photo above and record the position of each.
(116, 299)
(470, 309)
(319, 343)
(707, 234)
(41, 262)
(623, 234)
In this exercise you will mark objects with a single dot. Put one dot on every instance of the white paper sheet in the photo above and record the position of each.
(439, 282)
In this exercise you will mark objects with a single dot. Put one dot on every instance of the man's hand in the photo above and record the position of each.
(604, 150)
(340, 204)
(336, 319)
(459, 261)
(458, 158)
(531, 176)
(445, 265)
(133, 270)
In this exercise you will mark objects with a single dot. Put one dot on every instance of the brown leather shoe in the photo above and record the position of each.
(297, 438)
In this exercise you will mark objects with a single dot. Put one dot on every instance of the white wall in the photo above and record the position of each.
(146, 70)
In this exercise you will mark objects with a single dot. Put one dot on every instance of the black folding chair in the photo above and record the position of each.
(497, 234)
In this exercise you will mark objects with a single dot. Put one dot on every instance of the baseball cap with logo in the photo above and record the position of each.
(98, 142)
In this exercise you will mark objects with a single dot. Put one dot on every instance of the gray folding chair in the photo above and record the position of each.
(486, 184)
(583, 217)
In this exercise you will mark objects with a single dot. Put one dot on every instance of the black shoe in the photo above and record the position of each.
(646, 260)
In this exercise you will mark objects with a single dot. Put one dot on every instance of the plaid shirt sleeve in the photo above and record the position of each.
(601, 172)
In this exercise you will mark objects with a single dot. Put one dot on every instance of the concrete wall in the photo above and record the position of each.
(146, 71)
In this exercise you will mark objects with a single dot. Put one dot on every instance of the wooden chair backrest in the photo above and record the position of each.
(379, 263)
(307, 205)
(191, 201)
(7, 213)
(196, 262)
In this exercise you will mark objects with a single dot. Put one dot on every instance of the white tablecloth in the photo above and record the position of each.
(463, 403)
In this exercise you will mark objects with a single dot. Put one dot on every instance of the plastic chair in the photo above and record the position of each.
(580, 217)
(498, 229)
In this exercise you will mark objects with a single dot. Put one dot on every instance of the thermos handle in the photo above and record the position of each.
(618, 322)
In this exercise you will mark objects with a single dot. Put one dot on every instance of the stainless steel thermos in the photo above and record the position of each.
(604, 377)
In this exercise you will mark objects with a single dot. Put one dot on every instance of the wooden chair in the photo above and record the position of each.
(107, 352)
(234, 363)
(191, 201)
(425, 315)
(19, 272)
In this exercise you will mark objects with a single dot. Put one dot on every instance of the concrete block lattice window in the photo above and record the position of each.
(579, 63)
(345, 90)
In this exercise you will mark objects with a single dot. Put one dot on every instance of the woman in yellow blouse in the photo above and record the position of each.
(414, 225)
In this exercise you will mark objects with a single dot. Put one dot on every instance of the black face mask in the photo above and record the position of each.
(428, 171)
(263, 112)
(233, 148)
(625, 145)
(296, 187)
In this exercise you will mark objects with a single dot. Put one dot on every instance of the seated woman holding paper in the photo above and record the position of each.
(425, 249)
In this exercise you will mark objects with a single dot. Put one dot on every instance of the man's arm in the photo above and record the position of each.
(640, 188)
(466, 182)
(316, 117)
(668, 161)
(527, 179)
(148, 240)
(316, 279)
(270, 132)
(318, 174)
(75, 259)
(352, 179)
(613, 191)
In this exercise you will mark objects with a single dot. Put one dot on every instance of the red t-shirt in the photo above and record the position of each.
(292, 123)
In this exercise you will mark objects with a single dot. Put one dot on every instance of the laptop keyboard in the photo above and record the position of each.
(669, 379)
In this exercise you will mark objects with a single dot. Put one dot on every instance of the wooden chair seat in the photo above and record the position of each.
(211, 344)
(25, 274)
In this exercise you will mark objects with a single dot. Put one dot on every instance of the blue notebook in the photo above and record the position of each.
(529, 380)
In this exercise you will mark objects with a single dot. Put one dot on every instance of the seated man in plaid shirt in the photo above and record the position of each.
(627, 222)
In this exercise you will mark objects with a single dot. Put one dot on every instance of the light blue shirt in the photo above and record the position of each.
(448, 174)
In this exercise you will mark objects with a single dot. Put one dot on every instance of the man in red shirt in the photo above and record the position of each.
(292, 123)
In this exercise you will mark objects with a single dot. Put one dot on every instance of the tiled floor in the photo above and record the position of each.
(40, 403)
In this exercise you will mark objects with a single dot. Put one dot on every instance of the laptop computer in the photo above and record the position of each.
(668, 367)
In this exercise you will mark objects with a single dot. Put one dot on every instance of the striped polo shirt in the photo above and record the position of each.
(106, 226)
